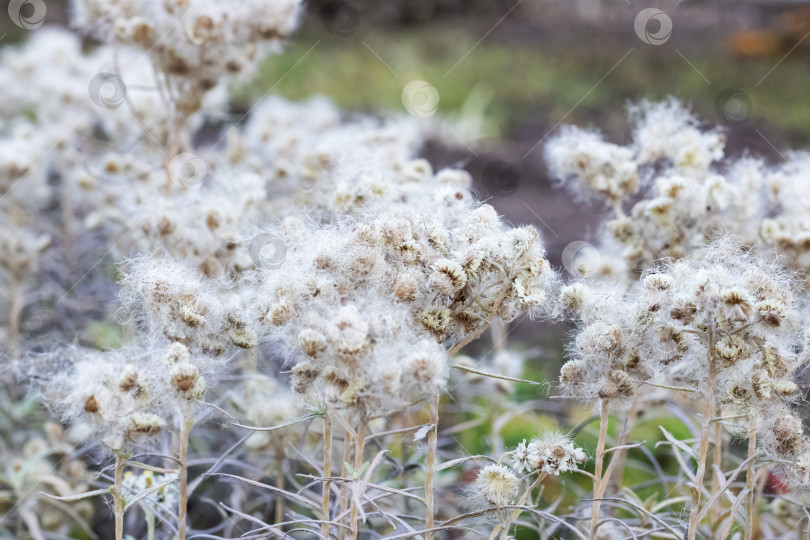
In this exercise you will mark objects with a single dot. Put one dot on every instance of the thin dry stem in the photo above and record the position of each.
(118, 498)
(327, 472)
(344, 472)
(620, 458)
(431, 466)
(279, 510)
(749, 478)
(185, 427)
(360, 444)
(597, 481)
(708, 408)
(717, 461)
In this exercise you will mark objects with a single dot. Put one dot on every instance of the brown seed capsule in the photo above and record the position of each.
(213, 219)
(187, 381)
(91, 405)
(684, 312)
(279, 313)
(777, 364)
(244, 338)
(141, 32)
(129, 379)
(312, 342)
(788, 434)
(166, 226)
(191, 317)
(572, 373)
(436, 320)
(761, 384)
(784, 388)
(617, 384)
(770, 313)
(738, 393)
(737, 299)
(634, 365)
(184, 377)
(405, 287)
(302, 375)
(147, 424)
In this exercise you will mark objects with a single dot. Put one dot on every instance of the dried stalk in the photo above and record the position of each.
(717, 461)
(279, 510)
(360, 444)
(431, 466)
(118, 497)
(708, 408)
(597, 480)
(620, 457)
(185, 427)
(749, 477)
(327, 472)
(344, 472)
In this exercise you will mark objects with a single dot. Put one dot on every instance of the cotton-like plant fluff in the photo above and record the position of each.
(497, 485)
(552, 453)
(363, 305)
(742, 303)
(195, 42)
(114, 396)
(690, 193)
(279, 318)
(722, 325)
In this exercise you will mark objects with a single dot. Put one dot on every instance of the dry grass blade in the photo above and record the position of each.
(732, 513)
(646, 512)
(625, 447)
(453, 463)
(153, 468)
(724, 487)
(292, 496)
(496, 376)
(280, 426)
(675, 442)
(197, 481)
(374, 463)
(78, 496)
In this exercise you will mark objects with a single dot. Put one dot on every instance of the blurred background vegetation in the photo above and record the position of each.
(510, 72)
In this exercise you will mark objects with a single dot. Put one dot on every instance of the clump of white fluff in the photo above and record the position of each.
(197, 43)
(364, 305)
(127, 396)
(722, 315)
(691, 197)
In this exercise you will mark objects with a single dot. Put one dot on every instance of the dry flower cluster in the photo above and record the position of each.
(291, 300)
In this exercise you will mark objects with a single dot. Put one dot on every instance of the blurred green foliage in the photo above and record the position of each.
(532, 82)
